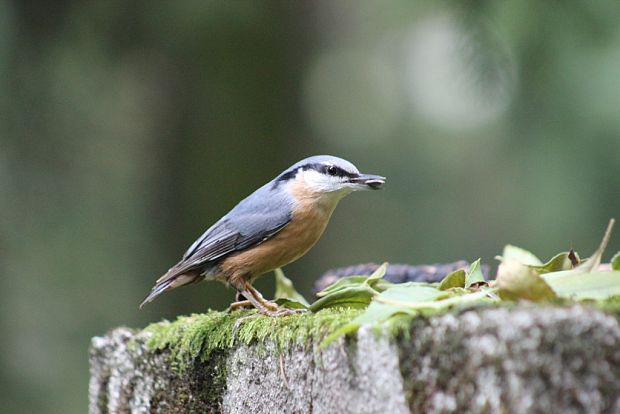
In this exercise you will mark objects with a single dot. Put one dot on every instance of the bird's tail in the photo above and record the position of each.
(166, 283)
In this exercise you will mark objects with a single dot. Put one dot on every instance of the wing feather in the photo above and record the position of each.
(254, 220)
(220, 242)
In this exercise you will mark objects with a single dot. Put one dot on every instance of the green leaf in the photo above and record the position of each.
(378, 312)
(443, 301)
(375, 280)
(348, 281)
(411, 299)
(474, 275)
(351, 297)
(454, 279)
(410, 293)
(520, 255)
(377, 275)
(518, 281)
(557, 263)
(286, 290)
(615, 262)
(587, 285)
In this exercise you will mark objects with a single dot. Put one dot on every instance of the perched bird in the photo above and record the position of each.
(274, 226)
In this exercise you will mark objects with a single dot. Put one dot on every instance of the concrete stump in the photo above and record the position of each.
(521, 359)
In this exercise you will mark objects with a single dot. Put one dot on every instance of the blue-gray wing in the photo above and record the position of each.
(252, 221)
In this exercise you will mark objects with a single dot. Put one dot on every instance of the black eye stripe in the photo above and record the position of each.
(334, 171)
(328, 169)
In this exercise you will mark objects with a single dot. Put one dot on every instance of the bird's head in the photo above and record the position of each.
(329, 177)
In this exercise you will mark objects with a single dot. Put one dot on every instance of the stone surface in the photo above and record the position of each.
(335, 380)
(126, 377)
(500, 360)
(525, 360)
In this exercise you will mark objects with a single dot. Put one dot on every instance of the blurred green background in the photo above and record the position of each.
(127, 128)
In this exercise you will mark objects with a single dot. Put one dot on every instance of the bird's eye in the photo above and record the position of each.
(332, 170)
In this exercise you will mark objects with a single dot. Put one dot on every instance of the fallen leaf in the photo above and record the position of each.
(587, 285)
(557, 263)
(286, 290)
(454, 279)
(474, 277)
(520, 255)
(592, 262)
(518, 281)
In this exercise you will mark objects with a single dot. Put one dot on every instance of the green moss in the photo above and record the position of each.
(197, 336)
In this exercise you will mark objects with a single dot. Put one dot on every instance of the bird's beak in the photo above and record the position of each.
(368, 181)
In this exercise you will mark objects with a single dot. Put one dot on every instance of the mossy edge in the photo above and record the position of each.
(196, 337)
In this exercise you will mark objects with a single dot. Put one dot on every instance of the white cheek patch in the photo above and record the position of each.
(321, 182)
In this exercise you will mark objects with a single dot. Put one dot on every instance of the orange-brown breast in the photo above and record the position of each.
(305, 228)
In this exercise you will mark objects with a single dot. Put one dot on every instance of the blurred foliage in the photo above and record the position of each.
(126, 128)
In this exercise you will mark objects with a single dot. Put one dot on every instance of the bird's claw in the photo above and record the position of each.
(246, 304)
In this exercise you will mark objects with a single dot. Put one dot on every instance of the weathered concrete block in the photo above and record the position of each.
(523, 359)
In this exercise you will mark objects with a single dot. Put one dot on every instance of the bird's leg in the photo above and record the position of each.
(254, 298)
(258, 296)
(251, 297)
(272, 308)
(261, 306)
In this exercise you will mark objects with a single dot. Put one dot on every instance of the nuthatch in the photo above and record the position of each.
(274, 226)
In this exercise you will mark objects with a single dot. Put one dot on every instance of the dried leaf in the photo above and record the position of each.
(591, 263)
(557, 263)
(574, 258)
(518, 281)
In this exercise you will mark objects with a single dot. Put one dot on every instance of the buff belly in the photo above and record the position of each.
(293, 241)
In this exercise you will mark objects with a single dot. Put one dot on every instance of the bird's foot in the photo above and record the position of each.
(253, 298)
(247, 304)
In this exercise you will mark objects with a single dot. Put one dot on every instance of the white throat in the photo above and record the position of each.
(324, 191)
